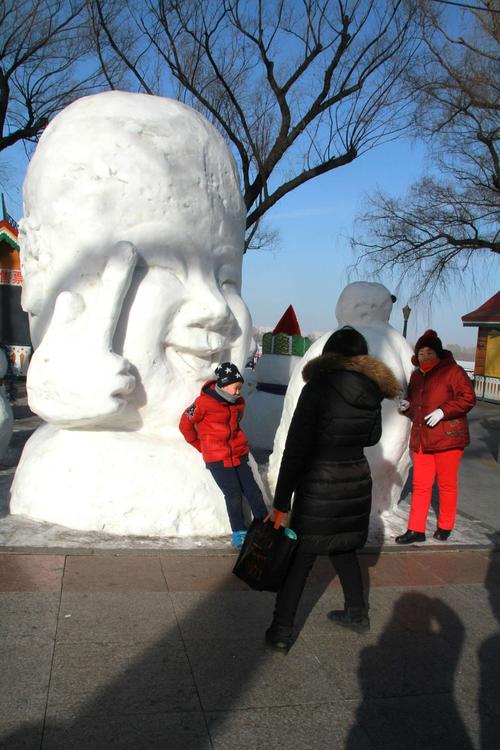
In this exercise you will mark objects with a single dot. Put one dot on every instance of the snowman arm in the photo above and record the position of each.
(298, 446)
(410, 413)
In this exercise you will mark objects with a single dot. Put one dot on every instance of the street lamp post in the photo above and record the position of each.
(406, 315)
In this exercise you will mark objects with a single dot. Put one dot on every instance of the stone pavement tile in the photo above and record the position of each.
(437, 609)
(442, 609)
(20, 734)
(399, 608)
(143, 731)
(328, 726)
(313, 609)
(460, 566)
(117, 617)
(28, 615)
(398, 569)
(395, 664)
(24, 679)
(479, 667)
(31, 572)
(493, 574)
(228, 614)
(489, 716)
(96, 679)
(113, 573)
(201, 573)
(244, 673)
(415, 722)
(490, 724)
(491, 701)
(477, 612)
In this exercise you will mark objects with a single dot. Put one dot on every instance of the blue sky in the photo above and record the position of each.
(309, 267)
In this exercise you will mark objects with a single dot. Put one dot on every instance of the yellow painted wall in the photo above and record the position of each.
(492, 364)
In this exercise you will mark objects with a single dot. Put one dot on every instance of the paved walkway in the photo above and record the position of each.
(166, 651)
(122, 643)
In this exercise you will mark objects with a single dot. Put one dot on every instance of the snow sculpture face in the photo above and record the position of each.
(364, 303)
(149, 171)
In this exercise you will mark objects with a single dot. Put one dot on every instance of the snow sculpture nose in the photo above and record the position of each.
(209, 309)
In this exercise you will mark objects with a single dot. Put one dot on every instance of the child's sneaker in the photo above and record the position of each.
(237, 538)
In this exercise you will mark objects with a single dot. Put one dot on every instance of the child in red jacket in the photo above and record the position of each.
(212, 426)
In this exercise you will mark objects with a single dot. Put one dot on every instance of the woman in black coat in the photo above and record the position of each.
(337, 415)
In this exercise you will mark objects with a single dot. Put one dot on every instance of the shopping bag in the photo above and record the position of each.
(265, 555)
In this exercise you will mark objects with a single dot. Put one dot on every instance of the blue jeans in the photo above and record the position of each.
(237, 482)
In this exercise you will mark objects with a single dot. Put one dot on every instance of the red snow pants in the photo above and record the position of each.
(426, 466)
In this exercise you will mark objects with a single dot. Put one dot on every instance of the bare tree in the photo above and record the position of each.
(450, 217)
(46, 61)
(298, 87)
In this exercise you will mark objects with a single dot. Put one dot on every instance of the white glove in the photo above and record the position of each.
(403, 405)
(434, 417)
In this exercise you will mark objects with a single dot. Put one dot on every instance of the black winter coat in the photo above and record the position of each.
(338, 413)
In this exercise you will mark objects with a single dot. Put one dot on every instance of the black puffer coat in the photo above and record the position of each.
(337, 414)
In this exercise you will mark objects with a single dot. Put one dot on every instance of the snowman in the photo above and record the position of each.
(282, 350)
(365, 306)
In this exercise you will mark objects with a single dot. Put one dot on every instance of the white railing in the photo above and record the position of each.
(487, 388)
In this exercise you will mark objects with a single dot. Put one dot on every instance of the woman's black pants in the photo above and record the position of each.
(349, 572)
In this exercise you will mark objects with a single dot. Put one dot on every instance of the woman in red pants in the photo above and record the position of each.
(440, 394)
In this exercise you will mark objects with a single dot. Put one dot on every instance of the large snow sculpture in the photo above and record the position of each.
(367, 307)
(281, 351)
(131, 247)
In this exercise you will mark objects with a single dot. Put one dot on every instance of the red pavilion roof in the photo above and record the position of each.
(489, 312)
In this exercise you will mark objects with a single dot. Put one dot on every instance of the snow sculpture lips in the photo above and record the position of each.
(200, 350)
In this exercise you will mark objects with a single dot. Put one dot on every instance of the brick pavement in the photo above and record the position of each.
(166, 651)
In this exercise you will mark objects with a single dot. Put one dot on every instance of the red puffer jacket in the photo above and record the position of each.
(212, 426)
(447, 387)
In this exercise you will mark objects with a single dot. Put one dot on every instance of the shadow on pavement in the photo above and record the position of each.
(154, 703)
(489, 665)
(175, 692)
(419, 649)
(491, 438)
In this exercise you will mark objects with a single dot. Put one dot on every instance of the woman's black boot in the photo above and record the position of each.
(410, 536)
(279, 637)
(354, 618)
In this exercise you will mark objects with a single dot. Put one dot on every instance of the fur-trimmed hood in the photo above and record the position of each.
(364, 364)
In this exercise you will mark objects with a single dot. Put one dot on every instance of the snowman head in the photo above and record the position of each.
(364, 303)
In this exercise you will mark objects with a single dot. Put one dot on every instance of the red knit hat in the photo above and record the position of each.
(432, 341)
